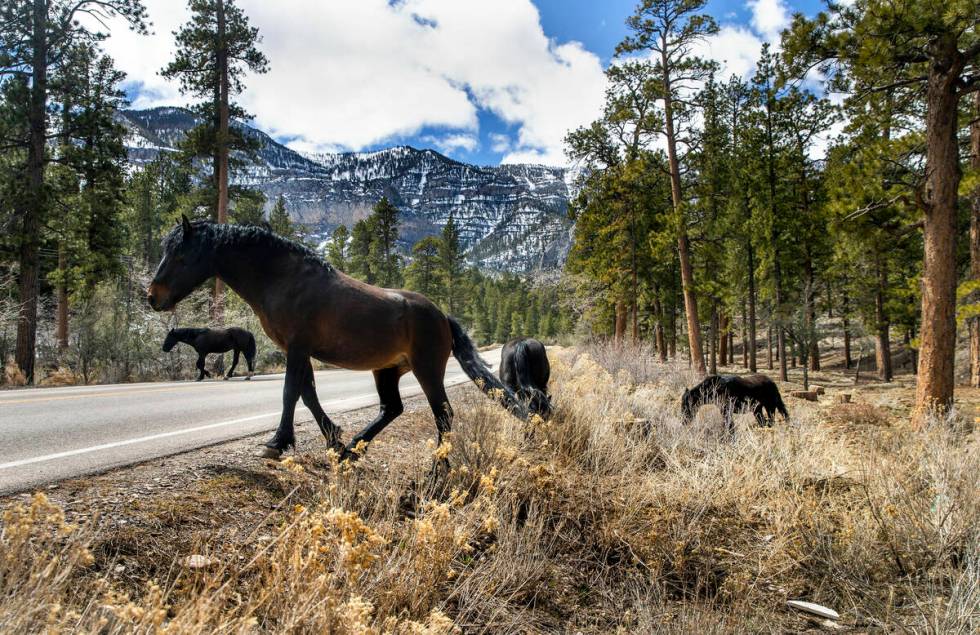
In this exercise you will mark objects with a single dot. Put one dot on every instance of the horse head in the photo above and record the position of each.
(188, 260)
(688, 405)
(170, 341)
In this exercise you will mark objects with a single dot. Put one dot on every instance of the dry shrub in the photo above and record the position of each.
(859, 414)
(13, 375)
(611, 515)
(60, 377)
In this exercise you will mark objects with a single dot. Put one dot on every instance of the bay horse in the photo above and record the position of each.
(310, 309)
(524, 368)
(733, 393)
(207, 341)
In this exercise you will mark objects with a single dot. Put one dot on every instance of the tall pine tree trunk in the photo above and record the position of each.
(713, 340)
(753, 337)
(883, 352)
(683, 244)
(745, 336)
(620, 326)
(222, 139)
(28, 282)
(769, 363)
(975, 241)
(61, 315)
(723, 328)
(813, 353)
(934, 388)
(780, 331)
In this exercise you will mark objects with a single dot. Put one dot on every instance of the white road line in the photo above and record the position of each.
(333, 405)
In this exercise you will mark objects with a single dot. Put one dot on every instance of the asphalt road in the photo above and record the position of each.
(50, 434)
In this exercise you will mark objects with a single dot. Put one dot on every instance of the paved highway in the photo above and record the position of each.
(50, 434)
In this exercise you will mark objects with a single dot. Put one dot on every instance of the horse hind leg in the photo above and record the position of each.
(386, 381)
(234, 363)
(435, 393)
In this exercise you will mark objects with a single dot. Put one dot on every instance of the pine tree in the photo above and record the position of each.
(279, 219)
(337, 248)
(422, 274)
(214, 50)
(451, 266)
(360, 263)
(667, 30)
(249, 208)
(384, 243)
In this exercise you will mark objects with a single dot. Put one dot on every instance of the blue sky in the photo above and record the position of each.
(483, 81)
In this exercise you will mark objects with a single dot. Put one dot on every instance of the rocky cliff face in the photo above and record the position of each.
(511, 217)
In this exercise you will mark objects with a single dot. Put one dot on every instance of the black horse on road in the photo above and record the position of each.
(207, 341)
(734, 393)
(524, 368)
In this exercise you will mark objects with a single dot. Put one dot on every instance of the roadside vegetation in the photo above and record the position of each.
(612, 515)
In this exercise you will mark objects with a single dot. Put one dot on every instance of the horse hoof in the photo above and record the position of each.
(247, 378)
(269, 453)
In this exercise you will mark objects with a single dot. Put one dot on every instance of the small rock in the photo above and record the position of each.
(844, 397)
(197, 561)
(814, 609)
(119, 568)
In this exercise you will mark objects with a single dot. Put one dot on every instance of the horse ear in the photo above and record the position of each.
(186, 225)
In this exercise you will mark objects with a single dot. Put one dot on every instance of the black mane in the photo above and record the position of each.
(260, 236)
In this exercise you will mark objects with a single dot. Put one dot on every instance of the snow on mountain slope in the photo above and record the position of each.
(511, 217)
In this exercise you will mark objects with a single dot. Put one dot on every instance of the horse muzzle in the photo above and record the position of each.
(158, 297)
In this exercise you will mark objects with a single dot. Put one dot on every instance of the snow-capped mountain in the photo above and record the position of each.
(511, 217)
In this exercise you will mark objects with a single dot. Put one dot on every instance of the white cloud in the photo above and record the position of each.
(735, 48)
(355, 73)
(499, 142)
(769, 18)
(452, 142)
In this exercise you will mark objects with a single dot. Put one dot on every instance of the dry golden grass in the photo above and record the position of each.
(612, 515)
(60, 377)
(13, 375)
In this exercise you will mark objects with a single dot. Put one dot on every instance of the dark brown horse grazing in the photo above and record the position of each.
(309, 309)
(734, 393)
(207, 341)
(524, 368)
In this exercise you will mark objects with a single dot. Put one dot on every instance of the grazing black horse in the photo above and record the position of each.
(733, 393)
(524, 368)
(309, 309)
(207, 341)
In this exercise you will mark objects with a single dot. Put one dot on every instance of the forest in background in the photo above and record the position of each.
(714, 214)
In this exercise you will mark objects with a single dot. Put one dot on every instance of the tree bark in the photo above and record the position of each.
(745, 336)
(33, 207)
(217, 305)
(975, 241)
(934, 389)
(769, 364)
(813, 353)
(61, 316)
(883, 352)
(724, 330)
(659, 309)
(683, 246)
(713, 340)
(620, 329)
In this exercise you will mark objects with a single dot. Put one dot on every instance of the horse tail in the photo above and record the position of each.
(250, 347)
(464, 350)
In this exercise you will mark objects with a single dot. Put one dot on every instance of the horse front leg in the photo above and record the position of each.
(331, 431)
(200, 367)
(297, 361)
